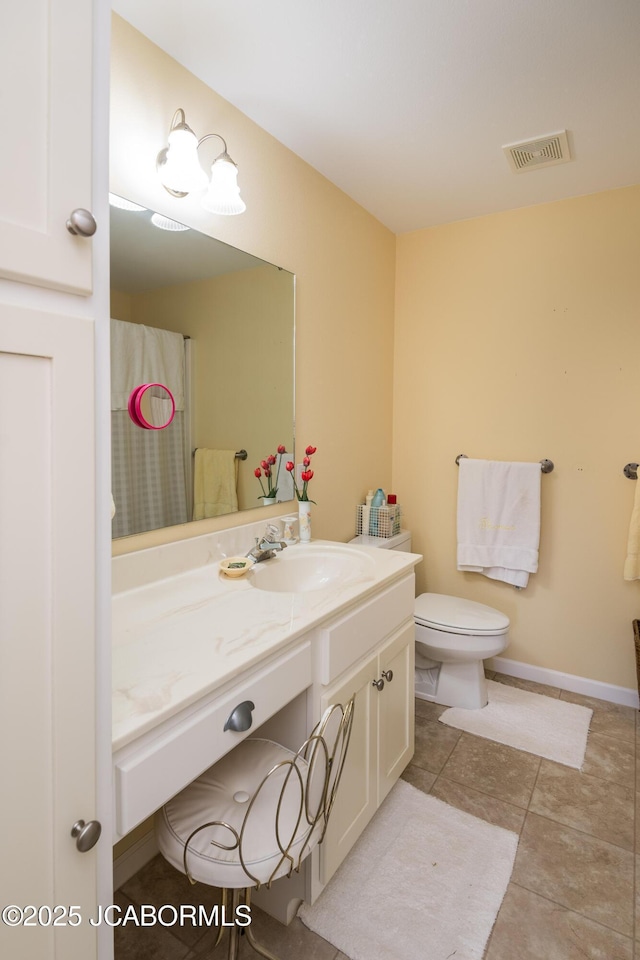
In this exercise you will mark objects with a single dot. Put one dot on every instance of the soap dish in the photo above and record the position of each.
(235, 566)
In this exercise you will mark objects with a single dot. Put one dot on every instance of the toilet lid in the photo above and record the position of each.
(455, 615)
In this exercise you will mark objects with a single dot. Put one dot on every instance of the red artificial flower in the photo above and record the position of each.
(272, 486)
(306, 475)
(257, 472)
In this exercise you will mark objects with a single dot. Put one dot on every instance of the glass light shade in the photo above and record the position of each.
(165, 223)
(181, 170)
(223, 196)
(123, 204)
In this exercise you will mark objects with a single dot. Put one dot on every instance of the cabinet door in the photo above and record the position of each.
(356, 800)
(47, 614)
(396, 713)
(45, 160)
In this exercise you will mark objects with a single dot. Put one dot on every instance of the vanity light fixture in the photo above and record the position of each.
(180, 172)
(165, 223)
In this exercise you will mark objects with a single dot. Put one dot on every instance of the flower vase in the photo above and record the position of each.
(267, 501)
(304, 520)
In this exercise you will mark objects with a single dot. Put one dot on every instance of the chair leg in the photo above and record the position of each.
(233, 951)
(253, 943)
(237, 898)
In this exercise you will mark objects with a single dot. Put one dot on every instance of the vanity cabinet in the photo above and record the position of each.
(382, 738)
(292, 655)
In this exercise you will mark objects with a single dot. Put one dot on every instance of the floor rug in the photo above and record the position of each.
(555, 729)
(424, 880)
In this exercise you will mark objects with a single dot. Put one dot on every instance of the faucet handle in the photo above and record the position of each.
(271, 533)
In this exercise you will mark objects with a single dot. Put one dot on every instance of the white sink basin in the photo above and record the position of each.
(306, 567)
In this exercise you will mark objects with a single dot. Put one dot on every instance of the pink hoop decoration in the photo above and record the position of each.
(135, 406)
(131, 404)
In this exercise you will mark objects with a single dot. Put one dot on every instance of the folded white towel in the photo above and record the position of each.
(499, 519)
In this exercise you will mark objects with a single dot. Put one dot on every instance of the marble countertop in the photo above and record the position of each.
(178, 638)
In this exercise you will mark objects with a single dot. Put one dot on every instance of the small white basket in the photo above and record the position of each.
(383, 521)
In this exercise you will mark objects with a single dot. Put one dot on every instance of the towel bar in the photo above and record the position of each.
(630, 471)
(240, 455)
(545, 465)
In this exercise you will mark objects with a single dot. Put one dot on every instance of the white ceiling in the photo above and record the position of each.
(406, 104)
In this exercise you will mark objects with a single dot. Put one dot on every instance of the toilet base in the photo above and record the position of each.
(457, 685)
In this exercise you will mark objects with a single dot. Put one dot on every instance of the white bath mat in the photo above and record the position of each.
(423, 881)
(550, 728)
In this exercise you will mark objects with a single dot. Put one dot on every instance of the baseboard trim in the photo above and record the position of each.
(566, 681)
(134, 859)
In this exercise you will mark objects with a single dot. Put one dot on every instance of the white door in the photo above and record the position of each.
(45, 160)
(396, 717)
(51, 71)
(47, 587)
(356, 800)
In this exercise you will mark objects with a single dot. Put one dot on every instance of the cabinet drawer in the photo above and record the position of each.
(146, 778)
(352, 636)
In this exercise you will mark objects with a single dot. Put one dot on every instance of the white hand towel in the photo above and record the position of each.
(499, 519)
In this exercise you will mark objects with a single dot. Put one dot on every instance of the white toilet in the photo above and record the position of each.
(453, 638)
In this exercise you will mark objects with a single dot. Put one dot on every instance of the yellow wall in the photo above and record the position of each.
(344, 261)
(518, 338)
(121, 305)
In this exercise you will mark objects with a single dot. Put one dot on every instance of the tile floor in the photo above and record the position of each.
(572, 894)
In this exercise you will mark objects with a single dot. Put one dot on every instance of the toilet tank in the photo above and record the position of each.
(401, 541)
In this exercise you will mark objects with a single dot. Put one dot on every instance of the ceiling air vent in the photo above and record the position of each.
(542, 152)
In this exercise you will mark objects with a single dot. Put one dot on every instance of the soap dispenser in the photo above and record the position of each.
(377, 502)
(378, 498)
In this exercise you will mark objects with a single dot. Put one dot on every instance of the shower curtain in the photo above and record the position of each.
(150, 469)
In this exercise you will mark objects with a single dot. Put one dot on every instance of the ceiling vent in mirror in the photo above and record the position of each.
(541, 152)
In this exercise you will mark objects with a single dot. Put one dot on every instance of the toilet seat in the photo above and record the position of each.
(455, 615)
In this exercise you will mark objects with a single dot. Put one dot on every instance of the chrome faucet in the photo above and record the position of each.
(266, 546)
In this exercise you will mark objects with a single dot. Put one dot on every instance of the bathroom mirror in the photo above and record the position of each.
(216, 326)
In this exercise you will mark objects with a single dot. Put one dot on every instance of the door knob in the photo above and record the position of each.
(378, 684)
(86, 834)
(81, 223)
(388, 675)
